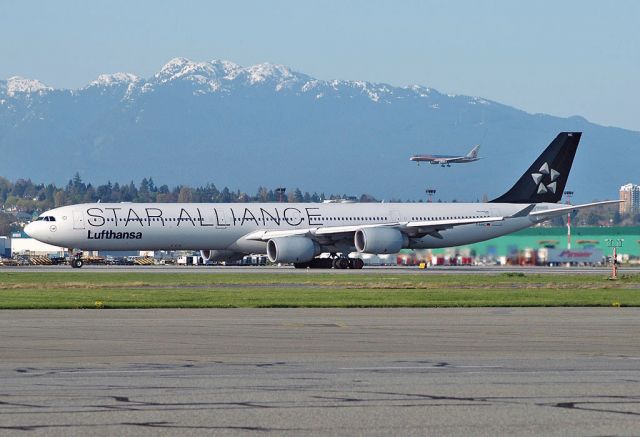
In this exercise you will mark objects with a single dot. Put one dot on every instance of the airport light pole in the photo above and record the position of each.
(568, 195)
(430, 192)
(615, 243)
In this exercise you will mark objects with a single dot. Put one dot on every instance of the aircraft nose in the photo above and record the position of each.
(35, 230)
(29, 229)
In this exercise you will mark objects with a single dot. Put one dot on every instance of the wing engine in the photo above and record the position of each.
(220, 255)
(380, 240)
(292, 249)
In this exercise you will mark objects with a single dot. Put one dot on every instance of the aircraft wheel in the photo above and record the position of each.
(343, 263)
(77, 263)
(356, 264)
(321, 263)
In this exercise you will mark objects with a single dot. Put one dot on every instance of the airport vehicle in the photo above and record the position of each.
(447, 160)
(299, 232)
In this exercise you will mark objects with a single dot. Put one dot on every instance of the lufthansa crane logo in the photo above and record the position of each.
(546, 179)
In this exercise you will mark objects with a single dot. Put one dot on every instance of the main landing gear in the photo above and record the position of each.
(331, 263)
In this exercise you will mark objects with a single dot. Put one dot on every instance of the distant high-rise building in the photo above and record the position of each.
(630, 193)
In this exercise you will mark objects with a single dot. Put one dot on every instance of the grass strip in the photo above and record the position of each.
(81, 279)
(247, 297)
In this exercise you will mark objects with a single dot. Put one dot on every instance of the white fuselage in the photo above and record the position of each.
(203, 226)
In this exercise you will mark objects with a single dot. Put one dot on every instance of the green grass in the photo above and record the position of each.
(238, 290)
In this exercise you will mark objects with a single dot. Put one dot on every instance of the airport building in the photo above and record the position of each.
(543, 245)
(22, 244)
(5, 247)
(630, 193)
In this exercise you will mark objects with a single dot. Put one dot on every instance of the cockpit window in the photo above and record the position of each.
(46, 218)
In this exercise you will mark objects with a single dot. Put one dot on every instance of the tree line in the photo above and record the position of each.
(25, 196)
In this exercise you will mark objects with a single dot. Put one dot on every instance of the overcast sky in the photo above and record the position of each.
(557, 57)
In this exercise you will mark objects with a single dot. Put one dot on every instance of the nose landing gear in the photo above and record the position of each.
(76, 260)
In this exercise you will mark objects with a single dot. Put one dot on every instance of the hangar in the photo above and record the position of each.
(21, 244)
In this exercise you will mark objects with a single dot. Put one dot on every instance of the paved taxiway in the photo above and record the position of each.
(552, 371)
(383, 270)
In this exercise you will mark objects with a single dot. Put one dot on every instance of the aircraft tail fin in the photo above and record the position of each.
(474, 152)
(545, 180)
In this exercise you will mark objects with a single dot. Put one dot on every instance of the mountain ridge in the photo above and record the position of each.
(216, 121)
(218, 72)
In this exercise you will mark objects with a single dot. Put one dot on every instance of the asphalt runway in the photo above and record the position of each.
(384, 270)
(542, 371)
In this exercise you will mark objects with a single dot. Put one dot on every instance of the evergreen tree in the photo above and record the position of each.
(143, 192)
(296, 196)
(225, 195)
(152, 186)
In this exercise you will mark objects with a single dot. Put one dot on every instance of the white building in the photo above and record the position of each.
(630, 193)
(21, 244)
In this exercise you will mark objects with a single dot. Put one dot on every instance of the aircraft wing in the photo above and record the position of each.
(412, 228)
(450, 160)
(312, 232)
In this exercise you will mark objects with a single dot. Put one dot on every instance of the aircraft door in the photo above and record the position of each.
(394, 216)
(78, 219)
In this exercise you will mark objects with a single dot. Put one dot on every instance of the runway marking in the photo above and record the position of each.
(40, 372)
(478, 367)
(419, 367)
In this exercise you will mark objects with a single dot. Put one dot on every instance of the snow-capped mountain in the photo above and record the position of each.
(220, 76)
(115, 79)
(217, 121)
(17, 85)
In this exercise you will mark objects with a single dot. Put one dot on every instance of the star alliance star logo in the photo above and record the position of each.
(538, 178)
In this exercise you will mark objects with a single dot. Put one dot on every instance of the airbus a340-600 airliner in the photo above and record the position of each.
(299, 232)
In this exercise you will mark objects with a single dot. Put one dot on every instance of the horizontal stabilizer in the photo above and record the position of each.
(549, 213)
(524, 212)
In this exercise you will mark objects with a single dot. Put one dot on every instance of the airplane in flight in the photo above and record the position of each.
(299, 232)
(447, 160)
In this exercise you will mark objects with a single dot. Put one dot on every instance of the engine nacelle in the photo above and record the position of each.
(380, 240)
(292, 249)
(220, 255)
